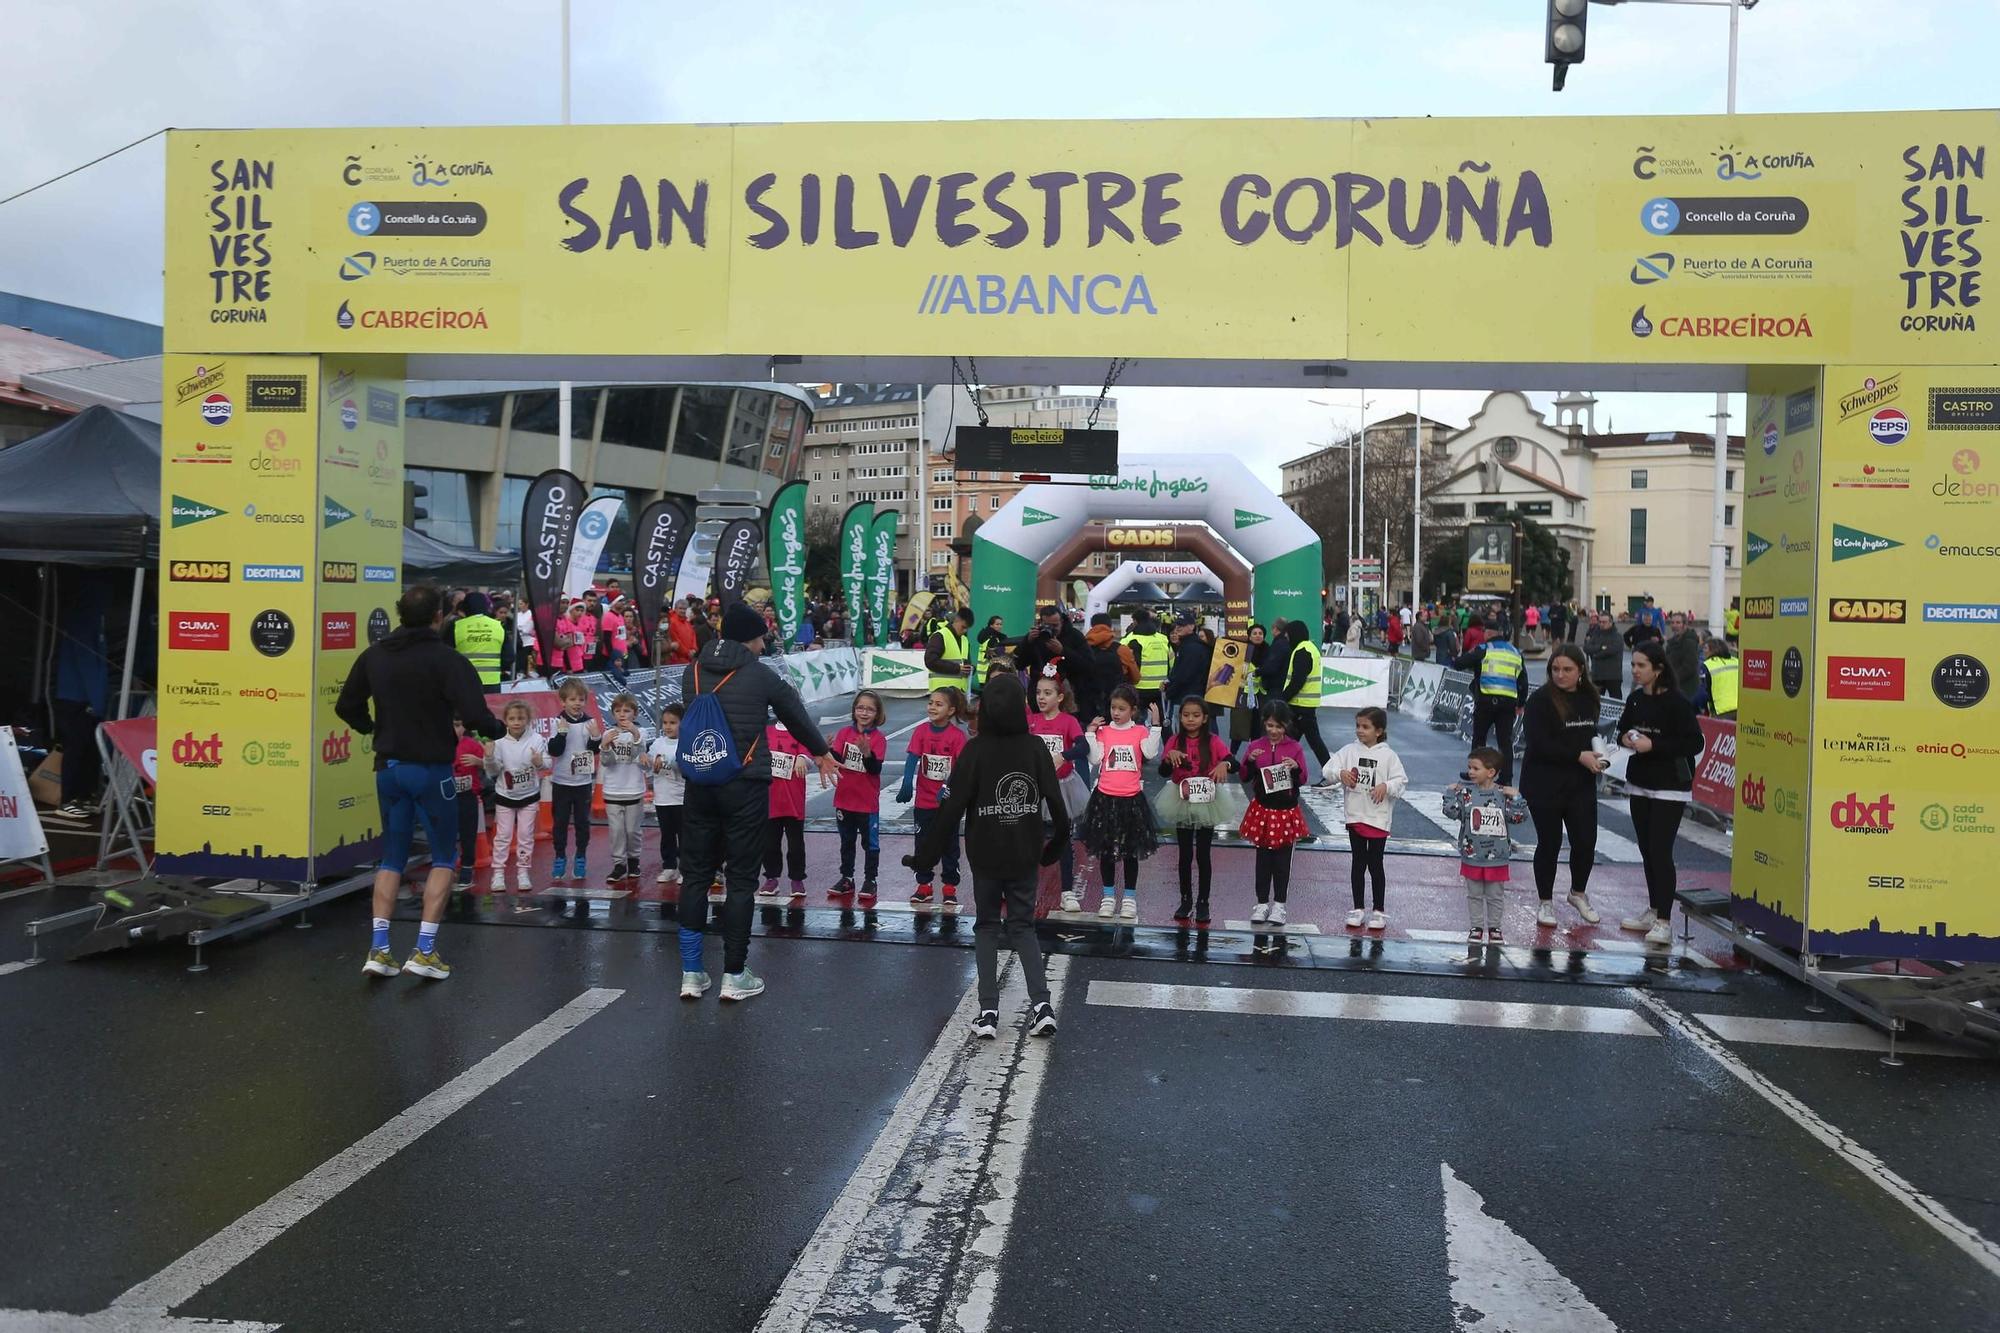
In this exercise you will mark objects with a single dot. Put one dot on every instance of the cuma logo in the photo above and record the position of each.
(186, 511)
(191, 752)
(335, 513)
(1853, 815)
(1889, 426)
(1852, 543)
(1753, 547)
(344, 317)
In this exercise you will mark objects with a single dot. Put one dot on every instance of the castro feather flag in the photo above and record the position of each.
(881, 573)
(548, 531)
(658, 539)
(787, 548)
(854, 565)
(735, 557)
(593, 529)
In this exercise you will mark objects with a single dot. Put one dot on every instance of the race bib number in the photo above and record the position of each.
(580, 764)
(1200, 791)
(851, 758)
(1278, 777)
(1055, 749)
(624, 751)
(520, 779)
(1365, 775)
(937, 767)
(1488, 821)
(781, 766)
(463, 781)
(1122, 759)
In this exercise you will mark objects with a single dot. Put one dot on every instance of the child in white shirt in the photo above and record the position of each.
(1374, 780)
(622, 754)
(669, 790)
(517, 762)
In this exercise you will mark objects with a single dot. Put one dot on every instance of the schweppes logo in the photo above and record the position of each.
(1759, 608)
(1860, 611)
(339, 571)
(198, 571)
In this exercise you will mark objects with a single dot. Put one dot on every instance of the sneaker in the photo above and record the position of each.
(1184, 910)
(1545, 915)
(1277, 916)
(1071, 903)
(842, 889)
(622, 870)
(465, 878)
(381, 963)
(986, 1027)
(1378, 921)
(1107, 906)
(1494, 937)
(1042, 1020)
(1201, 917)
(498, 884)
(77, 810)
(924, 896)
(560, 870)
(578, 873)
(1581, 903)
(1662, 933)
(664, 877)
(1128, 908)
(866, 898)
(1357, 919)
(741, 985)
(798, 890)
(768, 889)
(1477, 935)
(428, 965)
(1260, 912)
(1642, 922)
(949, 902)
(674, 876)
(693, 985)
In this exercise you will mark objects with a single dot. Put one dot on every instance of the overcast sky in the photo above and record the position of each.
(85, 76)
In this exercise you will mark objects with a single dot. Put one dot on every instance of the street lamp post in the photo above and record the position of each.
(1356, 511)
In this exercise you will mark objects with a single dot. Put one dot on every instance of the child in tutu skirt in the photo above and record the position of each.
(1273, 765)
(1194, 801)
(1118, 824)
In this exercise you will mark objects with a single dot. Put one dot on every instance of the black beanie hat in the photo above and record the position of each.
(742, 625)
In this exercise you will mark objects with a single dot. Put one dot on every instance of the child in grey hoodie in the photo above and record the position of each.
(1484, 846)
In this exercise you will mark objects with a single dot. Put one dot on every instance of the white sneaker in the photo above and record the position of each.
(1356, 919)
(1129, 907)
(1545, 915)
(1581, 902)
(986, 1026)
(1107, 906)
(693, 985)
(1071, 903)
(498, 885)
(664, 877)
(741, 985)
(1644, 921)
(1662, 933)
(1260, 912)
(1378, 921)
(1277, 916)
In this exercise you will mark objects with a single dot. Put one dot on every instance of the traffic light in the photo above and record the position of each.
(1562, 44)
(415, 508)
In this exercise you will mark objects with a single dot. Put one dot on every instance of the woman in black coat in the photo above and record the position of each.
(1559, 779)
(1660, 727)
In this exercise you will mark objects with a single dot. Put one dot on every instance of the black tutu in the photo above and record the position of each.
(1118, 826)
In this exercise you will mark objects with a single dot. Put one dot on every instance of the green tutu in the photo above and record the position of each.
(1175, 811)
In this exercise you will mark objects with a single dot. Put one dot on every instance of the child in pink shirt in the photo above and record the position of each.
(934, 747)
(859, 749)
(1118, 824)
(1273, 766)
(570, 633)
(1053, 718)
(786, 836)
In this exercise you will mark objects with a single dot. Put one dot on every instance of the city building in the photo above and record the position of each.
(1510, 459)
(862, 446)
(1315, 486)
(1655, 517)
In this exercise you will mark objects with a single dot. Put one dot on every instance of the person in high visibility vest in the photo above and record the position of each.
(1303, 684)
(948, 654)
(1154, 655)
(479, 638)
(1499, 692)
(1732, 620)
(1721, 677)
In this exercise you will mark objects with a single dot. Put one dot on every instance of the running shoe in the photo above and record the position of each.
(798, 890)
(1260, 912)
(1545, 915)
(986, 1027)
(1645, 921)
(866, 898)
(1277, 917)
(1495, 938)
(617, 872)
(1356, 919)
(1378, 921)
(1661, 935)
(949, 902)
(77, 810)
(742, 985)
(560, 870)
(428, 965)
(1042, 1021)
(1107, 906)
(664, 877)
(381, 963)
(464, 877)
(768, 889)
(579, 872)
(842, 889)
(924, 896)
(1581, 903)
(1071, 903)
(1128, 907)
(693, 985)
(498, 884)
(1477, 935)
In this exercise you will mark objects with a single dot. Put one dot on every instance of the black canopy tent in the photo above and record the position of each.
(427, 559)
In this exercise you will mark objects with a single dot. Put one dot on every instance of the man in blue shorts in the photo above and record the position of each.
(417, 684)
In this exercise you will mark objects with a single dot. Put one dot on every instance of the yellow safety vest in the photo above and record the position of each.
(955, 649)
(1732, 622)
(1724, 675)
(1500, 670)
(1309, 692)
(478, 639)
(1154, 655)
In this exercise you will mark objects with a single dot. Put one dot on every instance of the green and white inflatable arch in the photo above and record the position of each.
(1217, 489)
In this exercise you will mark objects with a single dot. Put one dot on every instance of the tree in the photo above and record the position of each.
(823, 552)
(1325, 502)
(1545, 571)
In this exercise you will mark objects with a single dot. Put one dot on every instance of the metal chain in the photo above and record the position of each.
(1118, 364)
(971, 387)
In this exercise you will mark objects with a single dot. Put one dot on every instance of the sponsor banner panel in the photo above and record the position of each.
(1906, 760)
(895, 672)
(241, 468)
(1420, 691)
(21, 833)
(1354, 682)
(1715, 772)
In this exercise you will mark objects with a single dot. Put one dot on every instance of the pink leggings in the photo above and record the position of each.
(514, 828)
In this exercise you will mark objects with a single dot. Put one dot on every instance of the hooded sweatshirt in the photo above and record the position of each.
(416, 683)
(1483, 817)
(1377, 768)
(1000, 786)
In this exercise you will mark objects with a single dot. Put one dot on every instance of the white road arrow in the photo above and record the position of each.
(122, 1321)
(1499, 1282)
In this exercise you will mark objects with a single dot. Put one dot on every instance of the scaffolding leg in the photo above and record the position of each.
(197, 965)
(1890, 1059)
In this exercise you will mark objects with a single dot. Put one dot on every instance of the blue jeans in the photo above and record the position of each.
(867, 828)
(407, 793)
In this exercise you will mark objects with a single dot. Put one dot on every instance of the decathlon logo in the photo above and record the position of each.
(1036, 294)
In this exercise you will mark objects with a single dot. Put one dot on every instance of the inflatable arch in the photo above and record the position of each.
(1132, 571)
(1217, 489)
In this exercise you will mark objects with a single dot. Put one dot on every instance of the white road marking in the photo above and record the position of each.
(181, 1280)
(122, 1321)
(1266, 928)
(21, 966)
(1563, 941)
(1719, 841)
(1499, 1282)
(1371, 1008)
(1932, 1213)
(1430, 804)
(1823, 1036)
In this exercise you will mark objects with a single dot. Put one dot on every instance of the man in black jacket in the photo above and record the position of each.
(1188, 674)
(417, 684)
(725, 823)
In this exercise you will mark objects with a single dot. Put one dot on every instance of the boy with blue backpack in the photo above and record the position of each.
(730, 696)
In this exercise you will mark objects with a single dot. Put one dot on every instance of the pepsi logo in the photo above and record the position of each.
(350, 415)
(1770, 437)
(216, 409)
(1889, 426)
